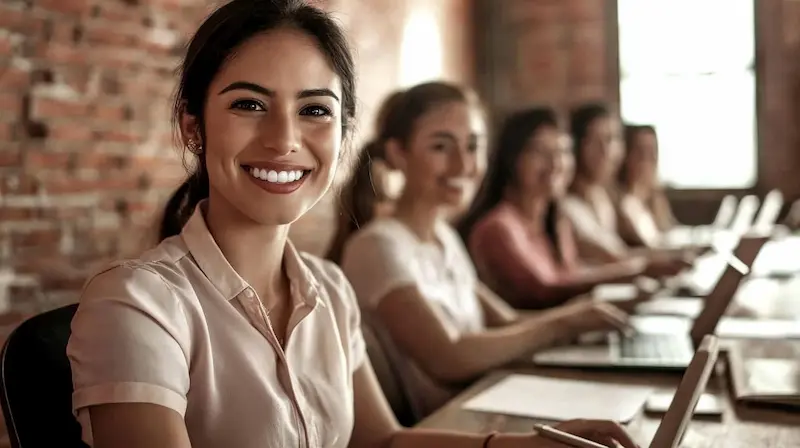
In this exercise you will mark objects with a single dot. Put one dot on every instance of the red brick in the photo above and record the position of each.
(72, 7)
(11, 102)
(111, 112)
(35, 238)
(110, 35)
(7, 44)
(42, 108)
(119, 136)
(14, 19)
(72, 186)
(12, 78)
(9, 157)
(16, 213)
(59, 52)
(37, 160)
(69, 132)
(5, 134)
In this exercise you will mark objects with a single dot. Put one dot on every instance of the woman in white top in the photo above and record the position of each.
(590, 205)
(224, 335)
(411, 272)
(645, 214)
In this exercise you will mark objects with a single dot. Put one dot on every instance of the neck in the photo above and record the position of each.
(418, 215)
(254, 251)
(639, 189)
(584, 186)
(532, 207)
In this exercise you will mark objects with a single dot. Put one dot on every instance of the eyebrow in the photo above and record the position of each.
(444, 134)
(244, 85)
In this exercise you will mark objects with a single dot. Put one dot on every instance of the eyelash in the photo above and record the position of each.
(255, 106)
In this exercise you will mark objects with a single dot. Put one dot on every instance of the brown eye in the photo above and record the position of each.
(248, 105)
(316, 111)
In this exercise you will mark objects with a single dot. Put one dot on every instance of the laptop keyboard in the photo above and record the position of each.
(653, 346)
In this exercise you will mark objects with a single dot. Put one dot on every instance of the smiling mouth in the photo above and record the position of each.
(276, 176)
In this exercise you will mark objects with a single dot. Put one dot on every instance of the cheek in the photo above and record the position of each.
(325, 143)
(228, 135)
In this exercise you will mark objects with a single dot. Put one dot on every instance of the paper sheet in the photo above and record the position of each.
(559, 400)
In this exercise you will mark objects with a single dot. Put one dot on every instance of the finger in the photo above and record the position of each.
(616, 432)
(615, 317)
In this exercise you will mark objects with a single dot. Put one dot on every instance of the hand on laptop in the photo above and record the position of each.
(585, 316)
(667, 264)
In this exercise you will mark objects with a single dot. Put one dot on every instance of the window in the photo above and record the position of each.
(687, 67)
(421, 49)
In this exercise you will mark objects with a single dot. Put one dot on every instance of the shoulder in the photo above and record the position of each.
(148, 282)
(501, 220)
(335, 288)
(385, 236)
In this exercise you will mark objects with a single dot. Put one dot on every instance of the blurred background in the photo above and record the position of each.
(87, 153)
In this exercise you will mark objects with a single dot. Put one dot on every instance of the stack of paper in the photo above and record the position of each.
(558, 400)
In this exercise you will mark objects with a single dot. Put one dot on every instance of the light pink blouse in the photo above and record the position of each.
(179, 328)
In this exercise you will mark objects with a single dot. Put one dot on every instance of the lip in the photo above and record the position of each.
(276, 188)
(268, 165)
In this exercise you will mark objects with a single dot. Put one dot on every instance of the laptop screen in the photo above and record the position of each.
(692, 385)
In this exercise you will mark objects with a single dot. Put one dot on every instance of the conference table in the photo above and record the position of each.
(740, 426)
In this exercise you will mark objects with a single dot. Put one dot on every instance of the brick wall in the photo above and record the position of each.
(86, 150)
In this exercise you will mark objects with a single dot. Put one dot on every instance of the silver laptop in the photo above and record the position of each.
(663, 351)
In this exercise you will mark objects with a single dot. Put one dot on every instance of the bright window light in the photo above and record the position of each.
(421, 50)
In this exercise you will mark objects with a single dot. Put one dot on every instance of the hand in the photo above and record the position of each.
(604, 432)
(584, 316)
(667, 265)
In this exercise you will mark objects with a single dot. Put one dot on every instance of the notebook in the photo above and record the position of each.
(764, 380)
(554, 399)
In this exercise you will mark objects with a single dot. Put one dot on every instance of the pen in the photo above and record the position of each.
(567, 439)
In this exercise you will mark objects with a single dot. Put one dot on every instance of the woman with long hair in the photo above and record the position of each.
(521, 244)
(644, 214)
(412, 275)
(224, 334)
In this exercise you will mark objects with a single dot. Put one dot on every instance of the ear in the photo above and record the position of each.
(190, 129)
(395, 155)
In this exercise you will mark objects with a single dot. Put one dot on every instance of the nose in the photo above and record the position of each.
(463, 163)
(279, 133)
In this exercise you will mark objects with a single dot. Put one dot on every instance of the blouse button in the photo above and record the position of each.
(249, 293)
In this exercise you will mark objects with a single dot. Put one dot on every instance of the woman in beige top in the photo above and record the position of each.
(590, 204)
(224, 335)
(645, 214)
(411, 272)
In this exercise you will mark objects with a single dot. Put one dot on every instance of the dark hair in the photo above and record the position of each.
(580, 119)
(514, 135)
(225, 30)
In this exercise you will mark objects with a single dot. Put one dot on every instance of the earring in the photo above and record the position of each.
(194, 147)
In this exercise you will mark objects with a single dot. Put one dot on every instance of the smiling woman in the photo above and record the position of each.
(224, 334)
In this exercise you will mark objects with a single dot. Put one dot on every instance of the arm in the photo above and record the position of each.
(137, 425)
(496, 311)
(129, 368)
(505, 250)
(446, 354)
(376, 427)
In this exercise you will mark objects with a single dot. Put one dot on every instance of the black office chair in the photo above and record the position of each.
(36, 383)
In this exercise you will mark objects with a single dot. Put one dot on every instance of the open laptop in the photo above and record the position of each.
(663, 351)
(765, 377)
(675, 421)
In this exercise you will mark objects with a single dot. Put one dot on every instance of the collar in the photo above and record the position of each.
(211, 260)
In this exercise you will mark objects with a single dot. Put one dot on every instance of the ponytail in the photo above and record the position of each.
(181, 205)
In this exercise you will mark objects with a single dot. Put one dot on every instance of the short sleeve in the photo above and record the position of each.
(129, 343)
(377, 264)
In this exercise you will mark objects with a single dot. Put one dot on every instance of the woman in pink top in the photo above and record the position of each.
(224, 335)
(521, 245)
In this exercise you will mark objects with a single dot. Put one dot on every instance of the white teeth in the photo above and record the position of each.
(459, 182)
(278, 177)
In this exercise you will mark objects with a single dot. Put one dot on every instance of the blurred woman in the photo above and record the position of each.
(590, 205)
(414, 280)
(644, 211)
(521, 244)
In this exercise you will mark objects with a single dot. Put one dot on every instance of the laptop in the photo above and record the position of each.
(675, 421)
(672, 350)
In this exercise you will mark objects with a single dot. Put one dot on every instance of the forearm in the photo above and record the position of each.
(475, 354)
(423, 438)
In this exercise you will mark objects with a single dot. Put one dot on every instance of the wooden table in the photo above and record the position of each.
(741, 426)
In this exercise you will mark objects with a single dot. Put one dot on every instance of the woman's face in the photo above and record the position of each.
(642, 160)
(273, 128)
(601, 152)
(445, 155)
(544, 164)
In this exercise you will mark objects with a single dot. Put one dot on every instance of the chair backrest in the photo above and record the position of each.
(388, 378)
(36, 383)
